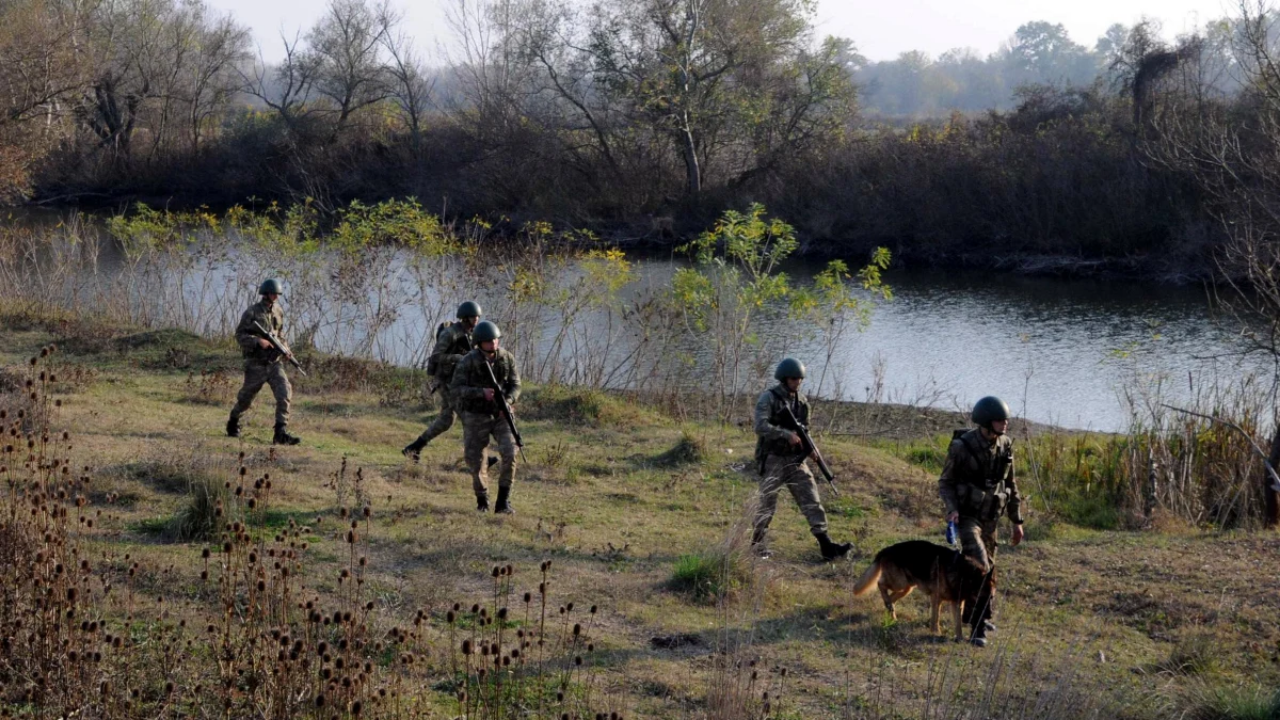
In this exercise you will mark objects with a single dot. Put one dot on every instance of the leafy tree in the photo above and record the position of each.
(737, 277)
(1044, 52)
(732, 87)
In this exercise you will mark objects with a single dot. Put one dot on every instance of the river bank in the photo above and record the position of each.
(661, 236)
(625, 500)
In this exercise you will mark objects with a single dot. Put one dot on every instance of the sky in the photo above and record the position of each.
(880, 28)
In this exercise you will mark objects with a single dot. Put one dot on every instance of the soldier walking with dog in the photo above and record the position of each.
(263, 362)
(977, 486)
(452, 343)
(485, 385)
(780, 457)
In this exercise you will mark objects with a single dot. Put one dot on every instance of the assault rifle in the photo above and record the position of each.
(812, 450)
(280, 347)
(501, 398)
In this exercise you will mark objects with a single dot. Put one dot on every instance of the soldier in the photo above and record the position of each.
(977, 486)
(263, 363)
(452, 343)
(781, 457)
(474, 391)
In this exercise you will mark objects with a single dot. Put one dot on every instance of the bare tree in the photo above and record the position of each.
(733, 85)
(345, 52)
(410, 87)
(124, 44)
(288, 88)
(40, 78)
(213, 73)
(492, 77)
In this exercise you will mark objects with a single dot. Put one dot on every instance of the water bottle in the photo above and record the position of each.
(951, 533)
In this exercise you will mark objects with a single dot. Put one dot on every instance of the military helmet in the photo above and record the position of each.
(789, 368)
(468, 309)
(485, 331)
(271, 285)
(988, 410)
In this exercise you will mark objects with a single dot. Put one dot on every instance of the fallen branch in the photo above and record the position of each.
(1266, 460)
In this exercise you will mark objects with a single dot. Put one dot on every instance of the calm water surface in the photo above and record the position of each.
(1058, 351)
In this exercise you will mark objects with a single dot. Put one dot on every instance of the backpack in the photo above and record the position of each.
(432, 366)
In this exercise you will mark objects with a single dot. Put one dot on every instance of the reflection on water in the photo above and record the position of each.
(1057, 351)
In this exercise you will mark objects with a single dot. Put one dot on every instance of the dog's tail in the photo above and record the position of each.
(869, 578)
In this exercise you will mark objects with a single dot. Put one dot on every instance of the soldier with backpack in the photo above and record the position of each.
(453, 340)
(977, 486)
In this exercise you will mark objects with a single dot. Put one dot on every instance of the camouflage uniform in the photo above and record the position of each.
(482, 419)
(977, 482)
(453, 343)
(262, 366)
(783, 464)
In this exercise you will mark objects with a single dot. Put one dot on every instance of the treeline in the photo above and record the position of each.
(641, 118)
(915, 86)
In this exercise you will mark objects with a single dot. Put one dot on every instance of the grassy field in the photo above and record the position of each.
(643, 517)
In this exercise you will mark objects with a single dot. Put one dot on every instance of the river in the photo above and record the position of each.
(1070, 352)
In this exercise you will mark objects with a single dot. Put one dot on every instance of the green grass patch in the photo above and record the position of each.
(170, 478)
(1233, 702)
(583, 406)
(563, 404)
(1197, 654)
(847, 508)
(1092, 511)
(199, 519)
(154, 527)
(926, 453)
(707, 576)
(688, 450)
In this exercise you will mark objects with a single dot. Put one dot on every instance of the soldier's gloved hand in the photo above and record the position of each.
(264, 343)
(794, 439)
(1017, 536)
(488, 394)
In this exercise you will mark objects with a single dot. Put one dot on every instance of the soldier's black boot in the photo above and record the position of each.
(832, 550)
(233, 426)
(413, 450)
(758, 544)
(979, 636)
(503, 507)
(482, 502)
(282, 437)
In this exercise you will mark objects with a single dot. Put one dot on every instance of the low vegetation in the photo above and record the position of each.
(334, 579)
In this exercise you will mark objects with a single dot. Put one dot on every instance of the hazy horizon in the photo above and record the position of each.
(932, 26)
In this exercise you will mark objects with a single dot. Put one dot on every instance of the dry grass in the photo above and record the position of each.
(1093, 622)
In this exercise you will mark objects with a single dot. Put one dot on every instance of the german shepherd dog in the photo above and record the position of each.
(947, 575)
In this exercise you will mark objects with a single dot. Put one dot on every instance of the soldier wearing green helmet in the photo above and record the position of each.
(453, 341)
(780, 456)
(263, 363)
(977, 486)
(473, 385)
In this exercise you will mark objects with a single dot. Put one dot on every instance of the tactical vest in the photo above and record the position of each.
(981, 492)
(475, 375)
(270, 319)
(780, 418)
